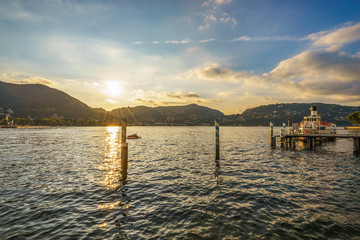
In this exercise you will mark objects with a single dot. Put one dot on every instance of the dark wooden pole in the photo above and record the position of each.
(272, 138)
(217, 140)
(124, 150)
(357, 145)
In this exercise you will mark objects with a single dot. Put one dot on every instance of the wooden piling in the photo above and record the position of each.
(124, 150)
(272, 138)
(357, 145)
(217, 140)
(311, 142)
(282, 136)
(292, 143)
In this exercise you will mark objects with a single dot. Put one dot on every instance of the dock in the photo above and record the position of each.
(312, 131)
(288, 140)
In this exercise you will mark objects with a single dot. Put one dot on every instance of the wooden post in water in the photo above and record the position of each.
(272, 138)
(291, 143)
(357, 145)
(282, 136)
(124, 150)
(217, 141)
(311, 143)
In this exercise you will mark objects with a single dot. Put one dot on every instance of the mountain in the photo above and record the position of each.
(279, 113)
(40, 101)
(168, 115)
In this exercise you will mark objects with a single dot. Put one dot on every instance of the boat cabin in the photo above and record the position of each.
(314, 117)
(313, 123)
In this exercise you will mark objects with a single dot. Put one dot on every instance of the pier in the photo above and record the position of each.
(312, 131)
(288, 140)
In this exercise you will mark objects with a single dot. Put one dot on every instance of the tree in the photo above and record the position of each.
(354, 118)
(3, 122)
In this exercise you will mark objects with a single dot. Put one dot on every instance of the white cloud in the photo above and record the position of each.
(334, 40)
(216, 73)
(111, 101)
(185, 41)
(14, 10)
(23, 79)
(316, 74)
(267, 38)
(158, 98)
(210, 18)
(318, 65)
(215, 3)
(214, 14)
(207, 40)
(319, 73)
(57, 1)
(204, 26)
(181, 95)
(228, 19)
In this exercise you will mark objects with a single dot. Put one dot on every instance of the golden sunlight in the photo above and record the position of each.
(113, 89)
(111, 162)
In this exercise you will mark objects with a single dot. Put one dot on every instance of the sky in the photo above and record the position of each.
(225, 54)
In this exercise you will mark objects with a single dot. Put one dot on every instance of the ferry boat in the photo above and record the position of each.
(313, 125)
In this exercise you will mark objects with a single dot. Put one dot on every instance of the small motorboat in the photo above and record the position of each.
(133, 136)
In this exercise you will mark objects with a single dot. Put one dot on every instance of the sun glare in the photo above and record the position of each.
(113, 89)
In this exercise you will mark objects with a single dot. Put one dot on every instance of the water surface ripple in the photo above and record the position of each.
(64, 183)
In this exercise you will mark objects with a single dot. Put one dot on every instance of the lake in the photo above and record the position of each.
(64, 183)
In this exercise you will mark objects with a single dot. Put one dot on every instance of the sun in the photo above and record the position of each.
(113, 89)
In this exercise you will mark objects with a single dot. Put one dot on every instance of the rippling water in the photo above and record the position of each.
(64, 183)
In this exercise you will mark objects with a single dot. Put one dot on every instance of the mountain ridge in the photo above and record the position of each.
(40, 101)
(280, 112)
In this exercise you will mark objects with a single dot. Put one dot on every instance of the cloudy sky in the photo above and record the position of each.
(225, 54)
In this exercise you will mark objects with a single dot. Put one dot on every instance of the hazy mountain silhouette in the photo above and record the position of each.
(40, 101)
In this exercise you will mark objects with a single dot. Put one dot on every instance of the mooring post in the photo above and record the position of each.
(357, 145)
(217, 140)
(283, 139)
(272, 138)
(311, 142)
(333, 128)
(124, 150)
(294, 143)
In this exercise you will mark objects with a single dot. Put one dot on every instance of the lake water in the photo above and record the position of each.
(64, 183)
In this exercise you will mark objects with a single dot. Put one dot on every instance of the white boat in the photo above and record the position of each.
(313, 125)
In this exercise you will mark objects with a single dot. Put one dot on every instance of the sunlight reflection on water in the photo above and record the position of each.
(111, 161)
(65, 183)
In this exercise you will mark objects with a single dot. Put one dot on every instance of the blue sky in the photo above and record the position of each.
(225, 54)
